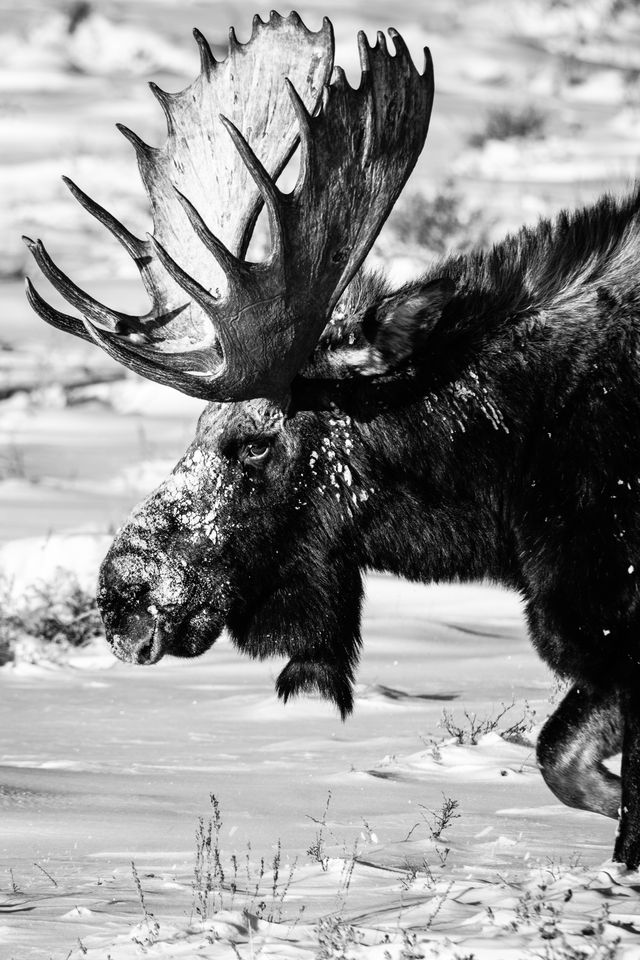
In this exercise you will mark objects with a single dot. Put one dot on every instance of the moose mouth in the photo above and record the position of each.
(145, 637)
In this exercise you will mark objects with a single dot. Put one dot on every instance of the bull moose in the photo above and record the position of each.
(482, 421)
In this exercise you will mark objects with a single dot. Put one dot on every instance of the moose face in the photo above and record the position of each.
(166, 584)
(251, 531)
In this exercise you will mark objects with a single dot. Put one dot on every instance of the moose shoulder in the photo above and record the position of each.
(482, 421)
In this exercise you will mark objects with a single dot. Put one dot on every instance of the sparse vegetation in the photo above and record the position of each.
(475, 727)
(335, 938)
(416, 870)
(6, 647)
(440, 223)
(151, 925)
(215, 889)
(539, 906)
(208, 877)
(510, 123)
(317, 849)
(13, 463)
(411, 949)
(437, 821)
(47, 874)
(535, 909)
(59, 614)
(441, 819)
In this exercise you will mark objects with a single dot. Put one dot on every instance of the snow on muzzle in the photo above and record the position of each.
(164, 587)
(143, 600)
(157, 605)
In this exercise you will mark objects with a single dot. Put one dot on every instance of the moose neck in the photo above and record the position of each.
(438, 510)
(452, 438)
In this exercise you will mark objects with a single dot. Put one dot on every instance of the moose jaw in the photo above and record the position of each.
(481, 421)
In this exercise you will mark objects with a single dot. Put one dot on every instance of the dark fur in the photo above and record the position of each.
(494, 426)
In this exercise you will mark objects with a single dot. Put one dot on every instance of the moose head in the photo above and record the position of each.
(255, 529)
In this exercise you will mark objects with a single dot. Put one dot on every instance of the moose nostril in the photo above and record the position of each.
(143, 653)
(144, 639)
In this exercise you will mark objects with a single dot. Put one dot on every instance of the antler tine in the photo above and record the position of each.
(257, 23)
(363, 51)
(232, 265)
(268, 190)
(168, 371)
(164, 99)
(351, 183)
(206, 300)
(207, 60)
(399, 46)
(130, 242)
(62, 321)
(304, 126)
(381, 42)
(234, 43)
(100, 315)
(141, 148)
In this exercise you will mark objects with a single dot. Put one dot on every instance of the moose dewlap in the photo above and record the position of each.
(481, 421)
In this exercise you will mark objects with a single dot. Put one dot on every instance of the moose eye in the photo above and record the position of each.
(256, 453)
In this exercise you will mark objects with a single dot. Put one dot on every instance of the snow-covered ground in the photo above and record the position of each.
(103, 764)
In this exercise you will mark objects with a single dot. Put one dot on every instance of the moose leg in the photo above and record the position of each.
(627, 848)
(584, 730)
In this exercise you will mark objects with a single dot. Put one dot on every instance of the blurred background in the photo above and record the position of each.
(537, 108)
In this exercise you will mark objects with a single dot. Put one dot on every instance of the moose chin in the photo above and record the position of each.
(482, 421)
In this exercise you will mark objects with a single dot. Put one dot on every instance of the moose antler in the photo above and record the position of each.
(357, 151)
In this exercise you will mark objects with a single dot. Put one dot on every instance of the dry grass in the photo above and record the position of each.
(439, 224)
(472, 728)
(510, 123)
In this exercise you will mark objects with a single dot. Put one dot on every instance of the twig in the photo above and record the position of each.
(48, 875)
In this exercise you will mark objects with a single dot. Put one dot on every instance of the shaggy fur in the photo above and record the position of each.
(483, 422)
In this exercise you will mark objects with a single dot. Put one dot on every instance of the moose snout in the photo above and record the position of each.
(140, 638)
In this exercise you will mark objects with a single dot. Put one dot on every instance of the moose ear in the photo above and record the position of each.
(399, 327)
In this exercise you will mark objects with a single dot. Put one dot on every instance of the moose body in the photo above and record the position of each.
(480, 422)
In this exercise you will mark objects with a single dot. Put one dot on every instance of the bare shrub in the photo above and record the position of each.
(440, 223)
(64, 613)
(7, 654)
(60, 613)
(208, 875)
(152, 931)
(510, 123)
(475, 727)
(443, 818)
(335, 938)
(317, 850)
(13, 463)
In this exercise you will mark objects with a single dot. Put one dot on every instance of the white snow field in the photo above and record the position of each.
(420, 827)
(104, 764)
